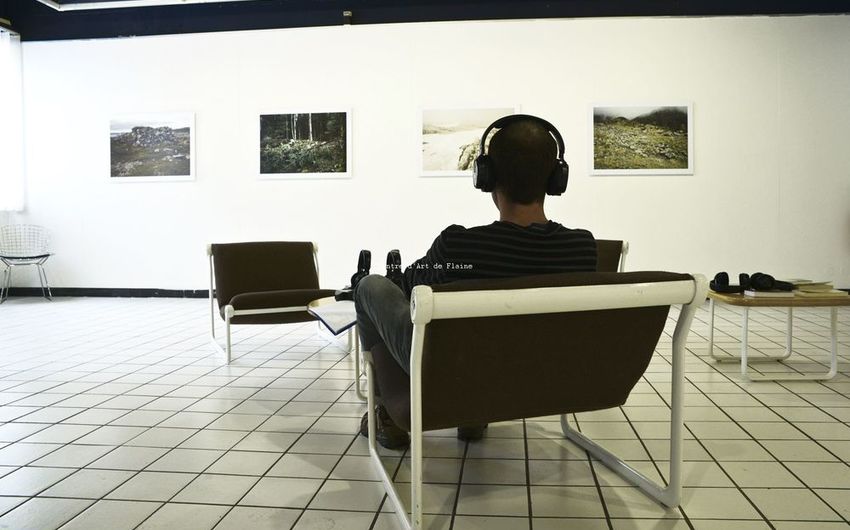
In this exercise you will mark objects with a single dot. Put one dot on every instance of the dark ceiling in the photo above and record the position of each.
(35, 21)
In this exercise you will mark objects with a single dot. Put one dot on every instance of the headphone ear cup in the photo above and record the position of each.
(762, 282)
(558, 179)
(745, 281)
(482, 173)
(783, 286)
(720, 283)
(721, 280)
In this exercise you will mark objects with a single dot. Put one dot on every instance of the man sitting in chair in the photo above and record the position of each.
(525, 162)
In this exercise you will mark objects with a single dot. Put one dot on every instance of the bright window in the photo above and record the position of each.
(11, 123)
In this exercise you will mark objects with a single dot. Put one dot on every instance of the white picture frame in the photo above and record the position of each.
(463, 127)
(644, 138)
(152, 147)
(283, 168)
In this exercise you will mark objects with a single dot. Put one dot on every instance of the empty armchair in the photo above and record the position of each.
(496, 350)
(268, 282)
(24, 245)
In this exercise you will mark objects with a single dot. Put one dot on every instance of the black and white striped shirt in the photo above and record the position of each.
(500, 250)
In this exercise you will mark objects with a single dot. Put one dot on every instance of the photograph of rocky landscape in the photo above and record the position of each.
(451, 138)
(151, 146)
(304, 143)
(641, 140)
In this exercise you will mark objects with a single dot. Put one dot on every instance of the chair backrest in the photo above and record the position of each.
(482, 369)
(262, 266)
(610, 255)
(24, 240)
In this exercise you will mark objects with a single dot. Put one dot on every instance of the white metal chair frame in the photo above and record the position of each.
(623, 253)
(425, 306)
(24, 244)
(230, 312)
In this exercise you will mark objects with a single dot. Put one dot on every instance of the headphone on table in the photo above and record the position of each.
(757, 282)
(484, 176)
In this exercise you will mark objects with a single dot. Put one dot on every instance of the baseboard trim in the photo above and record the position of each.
(110, 292)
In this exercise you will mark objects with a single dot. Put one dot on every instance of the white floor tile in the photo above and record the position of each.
(186, 460)
(791, 504)
(216, 489)
(282, 492)
(88, 484)
(338, 520)
(112, 515)
(32, 480)
(348, 495)
(152, 486)
(244, 518)
(184, 517)
(43, 513)
(276, 431)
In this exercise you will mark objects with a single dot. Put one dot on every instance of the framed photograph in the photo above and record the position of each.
(451, 138)
(642, 139)
(305, 145)
(152, 147)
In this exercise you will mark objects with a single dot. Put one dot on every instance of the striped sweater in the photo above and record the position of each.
(500, 250)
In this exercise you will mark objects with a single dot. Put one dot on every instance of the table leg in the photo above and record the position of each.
(358, 369)
(789, 334)
(734, 358)
(833, 332)
(833, 361)
(711, 328)
(745, 325)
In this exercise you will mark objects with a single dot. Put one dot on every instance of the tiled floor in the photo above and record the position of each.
(115, 415)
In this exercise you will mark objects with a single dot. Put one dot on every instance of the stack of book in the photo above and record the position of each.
(769, 294)
(816, 289)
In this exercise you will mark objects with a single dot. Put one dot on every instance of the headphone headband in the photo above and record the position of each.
(483, 174)
(504, 121)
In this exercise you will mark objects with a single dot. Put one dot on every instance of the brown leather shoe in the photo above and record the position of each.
(388, 434)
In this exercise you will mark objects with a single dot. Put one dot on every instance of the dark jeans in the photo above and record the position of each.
(383, 315)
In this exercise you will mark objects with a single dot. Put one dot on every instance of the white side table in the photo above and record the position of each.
(791, 302)
(338, 317)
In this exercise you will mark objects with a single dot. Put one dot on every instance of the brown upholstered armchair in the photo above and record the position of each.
(267, 282)
(611, 255)
(494, 350)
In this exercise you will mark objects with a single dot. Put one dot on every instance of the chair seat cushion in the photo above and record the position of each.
(480, 370)
(276, 299)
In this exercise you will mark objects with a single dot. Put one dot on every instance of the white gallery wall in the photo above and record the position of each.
(771, 190)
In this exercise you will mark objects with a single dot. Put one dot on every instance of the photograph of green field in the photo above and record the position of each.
(641, 139)
(304, 143)
(151, 146)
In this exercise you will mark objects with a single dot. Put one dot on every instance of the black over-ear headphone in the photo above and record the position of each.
(484, 177)
(757, 282)
(720, 283)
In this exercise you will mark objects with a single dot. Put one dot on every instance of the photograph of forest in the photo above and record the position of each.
(304, 143)
(451, 138)
(641, 140)
(153, 146)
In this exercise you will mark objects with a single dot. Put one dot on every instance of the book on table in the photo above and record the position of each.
(336, 316)
(816, 287)
(768, 294)
(832, 293)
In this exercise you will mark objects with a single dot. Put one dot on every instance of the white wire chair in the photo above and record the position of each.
(24, 245)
